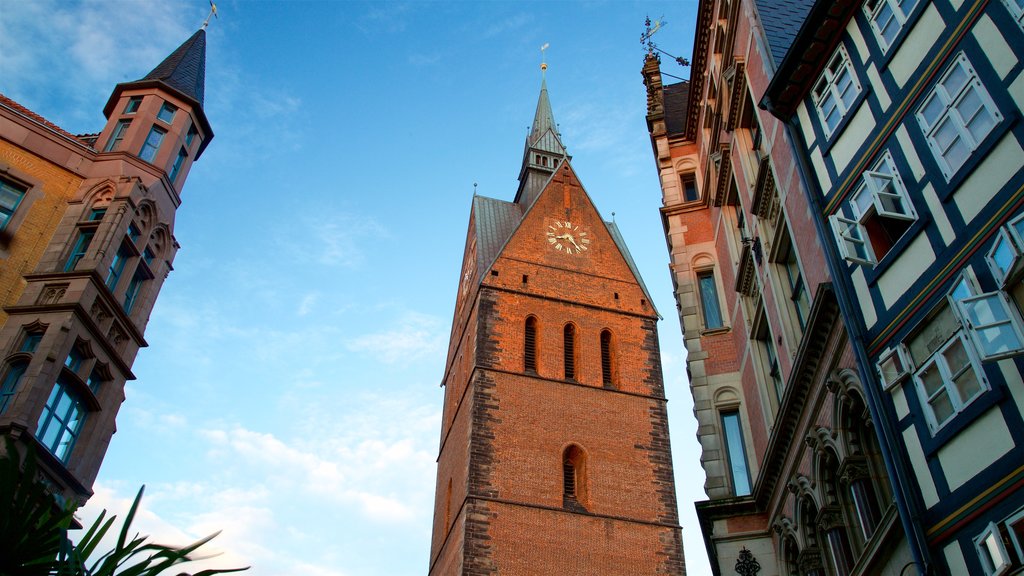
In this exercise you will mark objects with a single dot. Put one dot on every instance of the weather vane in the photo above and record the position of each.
(645, 39)
(213, 14)
(543, 59)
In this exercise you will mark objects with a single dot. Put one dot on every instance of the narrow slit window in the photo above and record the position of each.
(570, 351)
(530, 345)
(607, 377)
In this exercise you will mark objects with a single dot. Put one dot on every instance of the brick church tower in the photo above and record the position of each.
(554, 454)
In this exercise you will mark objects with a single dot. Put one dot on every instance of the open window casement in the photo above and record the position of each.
(852, 239)
(888, 196)
(993, 325)
(1004, 258)
(894, 366)
(992, 551)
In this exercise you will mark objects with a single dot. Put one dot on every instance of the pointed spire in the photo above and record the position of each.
(543, 120)
(185, 69)
(544, 149)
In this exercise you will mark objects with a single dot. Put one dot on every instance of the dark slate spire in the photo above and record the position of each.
(185, 69)
(544, 150)
(543, 119)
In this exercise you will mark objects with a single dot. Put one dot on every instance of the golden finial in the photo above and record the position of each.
(543, 61)
(213, 14)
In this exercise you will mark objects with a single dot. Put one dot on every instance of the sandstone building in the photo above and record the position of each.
(86, 242)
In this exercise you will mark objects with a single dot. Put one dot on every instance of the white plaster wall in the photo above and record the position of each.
(910, 266)
(975, 448)
(920, 466)
(863, 122)
(994, 45)
(867, 305)
(989, 177)
(920, 39)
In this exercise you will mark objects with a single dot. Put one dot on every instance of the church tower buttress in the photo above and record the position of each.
(554, 455)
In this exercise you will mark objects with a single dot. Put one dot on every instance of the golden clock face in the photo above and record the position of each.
(568, 238)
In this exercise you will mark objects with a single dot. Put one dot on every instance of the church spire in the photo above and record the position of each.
(544, 149)
(543, 120)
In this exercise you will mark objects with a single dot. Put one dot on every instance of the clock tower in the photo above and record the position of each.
(554, 454)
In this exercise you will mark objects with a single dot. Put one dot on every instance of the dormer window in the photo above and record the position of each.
(133, 105)
(166, 113)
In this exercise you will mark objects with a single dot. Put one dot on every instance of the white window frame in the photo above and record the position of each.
(1010, 237)
(1003, 240)
(894, 366)
(886, 190)
(885, 184)
(899, 13)
(950, 114)
(828, 85)
(986, 553)
(1002, 317)
(1016, 10)
(1014, 519)
(849, 234)
(938, 361)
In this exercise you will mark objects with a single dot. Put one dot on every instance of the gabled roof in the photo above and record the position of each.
(495, 222)
(781, 20)
(806, 54)
(621, 243)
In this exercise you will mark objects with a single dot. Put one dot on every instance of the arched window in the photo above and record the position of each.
(831, 520)
(530, 345)
(860, 467)
(574, 491)
(607, 375)
(569, 349)
(9, 385)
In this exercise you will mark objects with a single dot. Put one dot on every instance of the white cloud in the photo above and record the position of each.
(415, 336)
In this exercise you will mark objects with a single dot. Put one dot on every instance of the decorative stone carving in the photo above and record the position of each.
(116, 335)
(99, 312)
(52, 294)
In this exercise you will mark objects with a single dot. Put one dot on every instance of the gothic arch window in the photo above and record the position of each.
(530, 345)
(861, 467)
(574, 477)
(831, 519)
(607, 359)
(569, 350)
(790, 556)
(809, 558)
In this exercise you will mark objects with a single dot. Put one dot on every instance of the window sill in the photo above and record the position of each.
(714, 331)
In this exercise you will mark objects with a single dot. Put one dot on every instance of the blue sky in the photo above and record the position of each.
(289, 396)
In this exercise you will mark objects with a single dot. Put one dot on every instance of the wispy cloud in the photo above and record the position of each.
(415, 336)
(73, 40)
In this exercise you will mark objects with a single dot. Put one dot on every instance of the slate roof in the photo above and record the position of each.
(676, 99)
(185, 69)
(495, 222)
(781, 20)
(621, 243)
